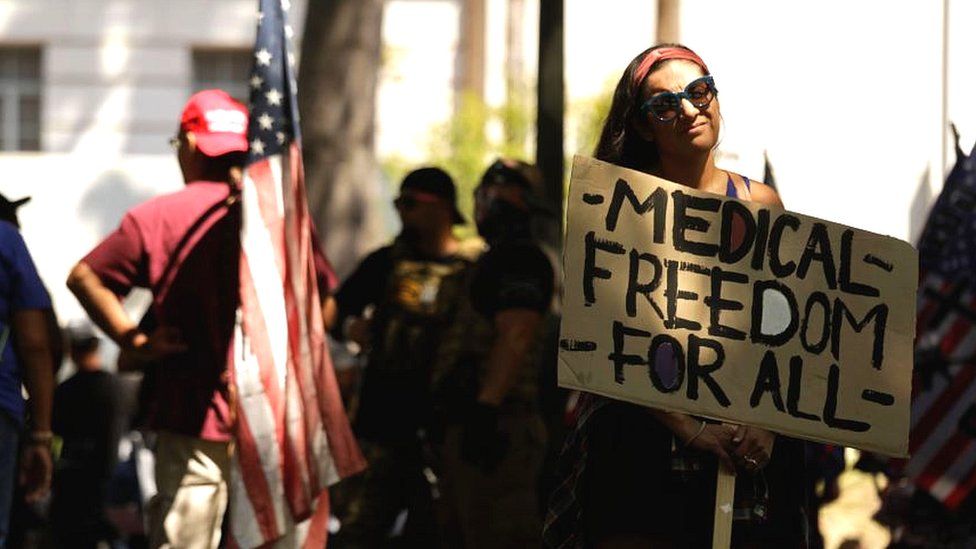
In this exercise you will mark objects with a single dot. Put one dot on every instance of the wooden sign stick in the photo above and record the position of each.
(724, 496)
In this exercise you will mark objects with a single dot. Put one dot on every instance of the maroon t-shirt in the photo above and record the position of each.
(185, 248)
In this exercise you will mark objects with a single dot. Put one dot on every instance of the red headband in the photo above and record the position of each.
(663, 54)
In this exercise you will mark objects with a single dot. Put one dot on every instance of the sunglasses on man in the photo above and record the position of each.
(412, 199)
(666, 106)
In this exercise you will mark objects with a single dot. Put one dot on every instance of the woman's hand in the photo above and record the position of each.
(709, 437)
(751, 447)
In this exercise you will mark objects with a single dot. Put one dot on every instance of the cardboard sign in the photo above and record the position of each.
(693, 302)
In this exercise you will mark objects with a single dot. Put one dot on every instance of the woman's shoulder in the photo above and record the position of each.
(760, 192)
(764, 194)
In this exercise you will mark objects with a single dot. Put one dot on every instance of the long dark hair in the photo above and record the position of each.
(620, 143)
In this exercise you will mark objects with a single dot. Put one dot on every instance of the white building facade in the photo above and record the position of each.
(112, 77)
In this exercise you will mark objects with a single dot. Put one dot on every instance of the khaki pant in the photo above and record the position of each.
(499, 510)
(187, 512)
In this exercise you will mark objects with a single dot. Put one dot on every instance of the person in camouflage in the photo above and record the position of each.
(486, 381)
(397, 305)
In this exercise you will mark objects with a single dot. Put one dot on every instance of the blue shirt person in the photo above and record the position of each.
(25, 357)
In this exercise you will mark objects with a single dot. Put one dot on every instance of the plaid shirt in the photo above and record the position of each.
(563, 527)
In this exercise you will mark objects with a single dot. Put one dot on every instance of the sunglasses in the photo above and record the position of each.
(410, 200)
(666, 106)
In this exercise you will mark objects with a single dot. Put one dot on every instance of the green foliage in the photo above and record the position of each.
(459, 146)
(589, 115)
(585, 118)
(517, 120)
(395, 168)
(462, 147)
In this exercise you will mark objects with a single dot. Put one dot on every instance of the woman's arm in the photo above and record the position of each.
(711, 437)
(752, 446)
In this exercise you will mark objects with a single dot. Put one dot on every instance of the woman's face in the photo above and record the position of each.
(694, 129)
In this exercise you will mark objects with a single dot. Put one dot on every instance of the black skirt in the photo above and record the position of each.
(635, 485)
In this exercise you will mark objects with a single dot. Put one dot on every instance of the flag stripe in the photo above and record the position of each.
(243, 520)
(300, 479)
(963, 489)
(258, 344)
(318, 528)
(964, 349)
(936, 469)
(260, 403)
(310, 349)
(924, 398)
(956, 472)
(926, 311)
(923, 459)
(955, 334)
(964, 377)
(259, 248)
(961, 383)
(259, 493)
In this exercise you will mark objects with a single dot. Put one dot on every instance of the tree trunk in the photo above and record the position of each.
(668, 21)
(472, 45)
(337, 97)
(551, 113)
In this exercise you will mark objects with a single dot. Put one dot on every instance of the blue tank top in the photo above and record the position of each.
(730, 186)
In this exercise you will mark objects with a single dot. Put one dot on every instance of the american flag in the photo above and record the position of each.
(292, 437)
(943, 429)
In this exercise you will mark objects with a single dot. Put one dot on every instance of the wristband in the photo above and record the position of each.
(696, 435)
(40, 437)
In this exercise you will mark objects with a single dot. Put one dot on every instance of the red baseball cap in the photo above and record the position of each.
(218, 121)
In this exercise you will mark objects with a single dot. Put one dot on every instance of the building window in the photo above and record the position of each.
(20, 99)
(226, 69)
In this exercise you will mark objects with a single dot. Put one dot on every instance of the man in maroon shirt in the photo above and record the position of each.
(185, 248)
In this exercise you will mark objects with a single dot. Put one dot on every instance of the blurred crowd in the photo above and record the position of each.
(449, 380)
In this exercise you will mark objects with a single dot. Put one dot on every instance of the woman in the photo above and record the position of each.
(641, 477)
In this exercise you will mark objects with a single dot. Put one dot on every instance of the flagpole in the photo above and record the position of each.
(944, 121)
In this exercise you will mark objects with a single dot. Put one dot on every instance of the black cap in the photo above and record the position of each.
(526, 176)
(437, 182)
(8, 208)
(511, 172)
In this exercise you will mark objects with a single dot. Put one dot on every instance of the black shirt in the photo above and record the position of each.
(415, 298)
(512, 275)
(88, 419)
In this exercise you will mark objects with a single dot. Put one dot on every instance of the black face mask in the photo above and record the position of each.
(504, 221)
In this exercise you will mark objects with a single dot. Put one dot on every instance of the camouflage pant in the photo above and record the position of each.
(499, 510)
(370, 504)
(474, 510)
